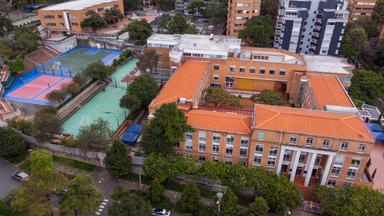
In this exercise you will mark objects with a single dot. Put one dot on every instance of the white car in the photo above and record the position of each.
(160, 212)
(20, 176)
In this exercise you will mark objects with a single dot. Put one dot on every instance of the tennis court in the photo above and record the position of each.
(33, 86)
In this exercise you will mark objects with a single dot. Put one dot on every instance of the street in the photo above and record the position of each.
(7, 183)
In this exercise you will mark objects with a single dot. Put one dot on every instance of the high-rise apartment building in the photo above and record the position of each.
(239, 11)
(358, 8)
(311, 26)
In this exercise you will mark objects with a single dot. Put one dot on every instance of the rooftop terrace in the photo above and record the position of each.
(327, 64)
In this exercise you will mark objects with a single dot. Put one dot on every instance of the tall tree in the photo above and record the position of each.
(117, 161)
(269, 8)
(269, 97)
(93, 20)
(177, 24)
(139, 93)
(45, 123)
(12, 143)
(196, 7)
(131, 204)
(354, 41)
(148, 61)
(5, 24)
(155, 191)
(258, 208)
(81, 197)
(95, 135)
(258, 31)
(367, 86)
(16, 65)
(139, 31)
(112, 15)
(229, 204)
(216, 12)
(347, 201)
(98, 70)
(190, 198)
(130, 5)
(56, 96)
(378, 13)
(221, 98)
(165, 130)
(165, 5)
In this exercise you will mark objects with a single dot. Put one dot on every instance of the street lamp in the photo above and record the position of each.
(219, 196)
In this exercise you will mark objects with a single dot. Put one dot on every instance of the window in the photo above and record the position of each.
(261, 71)
(201, 158)
(60, 16)
(261, 136)
(215, 77)
(331, 183)
(309, 142)
(352, 172)
(273, 151)
(230, 139)
(229, 82)
(188, 141)
(282, 72)
(362, 148)
(74, 24)
(293, 140)
(202, 147)
(202, 139)
(356, 163)
(242, 69)
(302, 158)
(216, 67)
(257, 160)
(252, 70)
(271, 162)
(271, 71)
(229, 145)
(259, 149)
(335, 171)
(326, 144)
(287, 156)
(244, 146)
(344, 146)
(232, 69)
(228, 161)
(215, 148)
(216, 138)
(347, 184)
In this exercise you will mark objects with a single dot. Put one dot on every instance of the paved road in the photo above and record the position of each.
(7, 183)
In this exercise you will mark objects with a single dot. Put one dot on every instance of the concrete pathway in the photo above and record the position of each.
(7, 183)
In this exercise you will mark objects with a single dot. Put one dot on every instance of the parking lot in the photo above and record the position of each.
(7, 183)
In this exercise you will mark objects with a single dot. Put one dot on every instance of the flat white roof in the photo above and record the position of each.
(327, 64)
(76, 5)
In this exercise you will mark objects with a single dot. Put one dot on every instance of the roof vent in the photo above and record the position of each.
(182, 100)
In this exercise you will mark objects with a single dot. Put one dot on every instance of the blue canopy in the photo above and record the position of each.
(376, 127)
(132, 133)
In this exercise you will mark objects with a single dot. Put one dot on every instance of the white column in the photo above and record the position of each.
(326, 169)
(295, 163)
(281, 158)
(310, 169)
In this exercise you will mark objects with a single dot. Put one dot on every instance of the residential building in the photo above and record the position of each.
(311, 26)
(308, 146)
(239, 12)
(66, 18)
(358, 8)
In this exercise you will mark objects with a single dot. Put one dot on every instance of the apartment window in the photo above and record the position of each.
(216, 138)
(293, 140)
(229, 145)
(271, 162)
(309, 142)
(356, 163)
(215, 158)
(228, 161)
(244, 146)
(202, 140)
(282, 72)
(229, 150)
(271, 71)
(215, 148)
(287, 156)
(352, 172)
(202, 147)
(188, 141)
(326, 144)
(257, 160)
(74, 24)
(262, 71)
(60, 16)
(260, 136)
(215, 77)
(201, 158)
(232, 69)
(273, 151)
(229, 82)
(252, 70)
(259, 149)
(242, 69)
(331, 183)
(347, 184)
(362, 148)
(49, 17)
(302, 158)
(216, 67)
(344, 146)
(335, 171)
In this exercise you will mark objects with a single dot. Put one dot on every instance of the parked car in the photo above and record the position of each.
(20, 176)
(160, 212)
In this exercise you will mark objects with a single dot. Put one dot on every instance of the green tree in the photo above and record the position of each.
(269, 8)
(130, 5)
(12, 143)
(45, 123)
(95, 135)
(221, 98)
(196, 7)
(177, 25)
(80, 78)
(25, 126)
(5, 24)
(81, 197)
(147, 62)
(378, 13)
(93, 20)
(130, 205)
(258, 208)
(117, 161)
(367, 24)
(354, 41)
(139, 93)
(269, 97)
(350, 201)
(258, 31)
(56, 96)
(25, 41)
(33, 198)
(158, 167)
(112, 15)
(165, 130)
(229, 204)
(190, 198)
(98, 70)
(366, 86)
(165, 5)
(216, 12)
(139, 31)
(71, 88)
(155, 191)
(16, 65)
